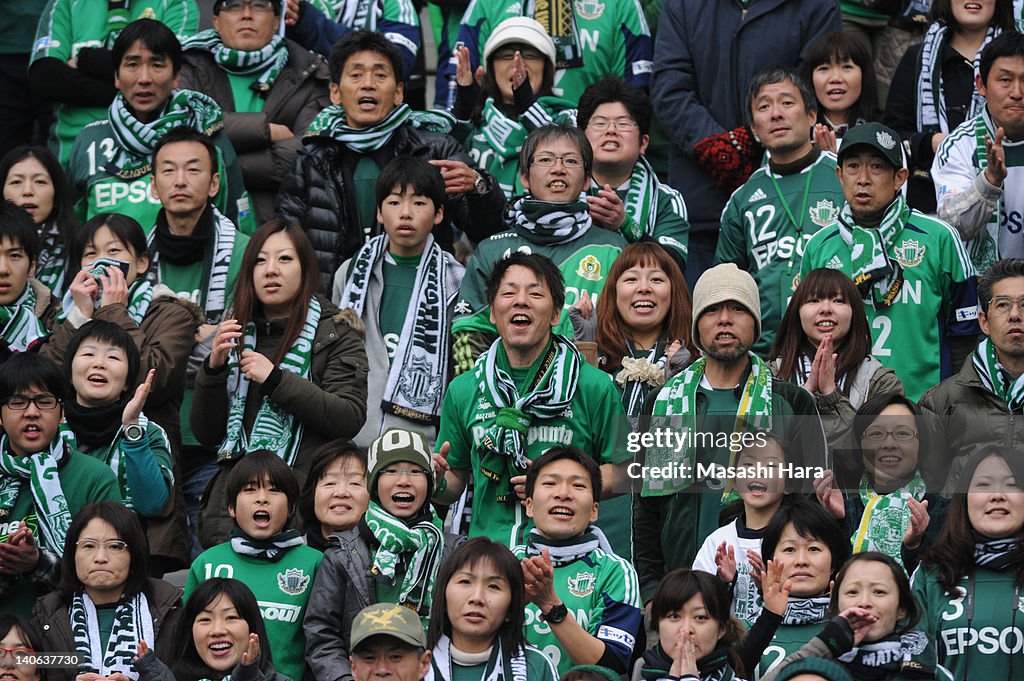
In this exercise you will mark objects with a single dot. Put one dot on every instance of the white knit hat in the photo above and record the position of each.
(525, 30)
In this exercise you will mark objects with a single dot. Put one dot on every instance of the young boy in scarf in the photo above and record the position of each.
(27, 308)
(584, 600)
(392, 556)
(110, 164)
(403, 286)
(274, 562)
(43, 482)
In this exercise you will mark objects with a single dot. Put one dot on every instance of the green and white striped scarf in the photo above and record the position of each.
(549, 394)
(878, 277)
(117, 18)
(417, 548)
(677, 402)
(331, 122)
(22, 327)
(41, 470)
(140, 297)
(133, 622)
(50, 263)
(931, 100)
(271, 549)
(136, 140)
(995, 380)
(984, 246)
(886, 517)
(499, 667)
(506, 135)
(358, 13)
(266, 62)
(641, 202)
(548, 223)
(273, 428)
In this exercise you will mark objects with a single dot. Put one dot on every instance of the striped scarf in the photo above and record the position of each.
(641, 202)
(332, 123)
(886, 517)
(559, 21)
(997, 554)
(549, 394)
(995, 380)
(500, 667)
(22, 328)
(140, 297)
(50, 263)
(266, 63)
(415, 384)
(505, 136)
(117, 18)
(273, 428)
(358, 13)
(676, 406)
(931, 100)
(133, 622)
(136, 140)
(878, 277)
(567, 551)
(805, 610)
(41, 470)
(417, 548)
(271, 549)
(548, 223)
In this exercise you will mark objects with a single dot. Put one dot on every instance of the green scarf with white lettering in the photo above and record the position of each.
(332, 123)
(41, 471)
(886, 517)
(266, 63)
(877, 276)
(983, 247)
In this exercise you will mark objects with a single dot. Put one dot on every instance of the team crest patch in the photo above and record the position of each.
(914, 642)
(582, 584)
(419, 385)
(796, 282)
(148, 13)
(885, 139)
(590, 268)
(824, 213)
(292, 581)
(589, 9)
(910, 253)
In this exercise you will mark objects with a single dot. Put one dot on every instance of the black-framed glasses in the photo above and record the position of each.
(44, 402)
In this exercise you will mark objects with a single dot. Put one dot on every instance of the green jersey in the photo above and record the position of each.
(399, 282)
(766, 226)
(938, 298)
(788, 639)
(282, 589)
(979, 631)
(14, 39)
(602, 592)
(66, 26)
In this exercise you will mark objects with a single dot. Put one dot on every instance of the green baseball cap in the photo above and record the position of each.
(388, 619)
(880, 138)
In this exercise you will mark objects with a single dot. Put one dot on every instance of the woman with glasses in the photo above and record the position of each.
(107, 602)
(19, 642)
(890, 511)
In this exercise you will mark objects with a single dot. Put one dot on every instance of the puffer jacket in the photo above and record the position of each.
(297, 96)
(52, 618)
(315, 195)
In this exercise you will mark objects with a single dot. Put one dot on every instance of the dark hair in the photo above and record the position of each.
(810, 521)
(560, 453)
(323, 458)
(908, 603)
(834, 48)
(1009, 43)
(364, 41)
(470, 555)
(791, 340)
(611, 329)
(734, 509)
(609, 90)
(17, 225)
(63, 212)
(31, 370)
(407, 172)
(540, 265)
(108, 332)
(126, 229)
(28, 632)
(680, 585)
(257, 467)
(952, 554)
(1000, 269)
(186, 134)
(1002, 17)
(129, 530)
(188, 666)
(775, 75)
(155, 35)
(246, 304)
(554, 131)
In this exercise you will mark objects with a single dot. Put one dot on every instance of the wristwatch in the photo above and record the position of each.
(134, 432)
(481, 185)
(556, 615)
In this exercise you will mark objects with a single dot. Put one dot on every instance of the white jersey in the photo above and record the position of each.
(746, 601)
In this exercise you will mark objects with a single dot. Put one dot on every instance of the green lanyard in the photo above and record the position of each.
(789, 213)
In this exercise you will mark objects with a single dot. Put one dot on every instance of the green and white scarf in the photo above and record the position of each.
(549, 394)
(931, 100)
(22, 328)
(273, 428)
(50, 263)
(678, 401)
(415, 386)
(41, 471)
(567, 551)
(266, 63)
(886, 517)
(140, 297)
(641, 202)
(559, 21)
(136, 140)
(117, 18)
(997, 554)
(505, 135)
(878, 277)
(133, 622)
(805, 610)
(548, 223)
(984, 246)
(907, 655)
(418, 548)
(995, 379)
(271, 549)
(500, 667)
(331, 122)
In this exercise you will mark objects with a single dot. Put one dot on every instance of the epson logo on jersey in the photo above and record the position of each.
(987, 640)
(615, 635)
(1012, 221)
(279, 612)
(110, 194)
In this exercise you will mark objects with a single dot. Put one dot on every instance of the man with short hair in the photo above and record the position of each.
(388, 642)
(27, 308)
(768, 221)
(111, 161)
(912, 270)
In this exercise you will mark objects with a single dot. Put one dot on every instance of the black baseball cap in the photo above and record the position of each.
(880, 138)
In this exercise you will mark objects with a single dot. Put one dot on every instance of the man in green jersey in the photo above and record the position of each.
(530, 390)
(768, 221)
(111, 161)
(912, 270)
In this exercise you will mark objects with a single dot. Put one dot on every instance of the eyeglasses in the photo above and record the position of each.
(1002, 305)
(21, 402)
(254, 5)
(15, 653)
(89, 546)
(621, 124)
(411, 472)
(899, 435)
(569, 161)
